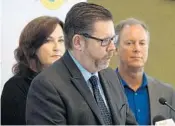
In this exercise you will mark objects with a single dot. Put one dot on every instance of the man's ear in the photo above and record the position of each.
(77, 42)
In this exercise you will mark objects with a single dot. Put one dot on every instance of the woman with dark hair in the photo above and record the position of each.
(41, 43)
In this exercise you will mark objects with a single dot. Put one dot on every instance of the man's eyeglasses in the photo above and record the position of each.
(104, 42)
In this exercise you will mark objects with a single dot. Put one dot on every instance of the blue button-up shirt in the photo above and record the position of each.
(87, 75)
(139, 101)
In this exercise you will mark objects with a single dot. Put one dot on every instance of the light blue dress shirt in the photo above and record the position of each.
(87, 75)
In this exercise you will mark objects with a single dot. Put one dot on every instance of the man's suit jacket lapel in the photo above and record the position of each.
(155, 106)
(154, 97)
(106, 84)
(80, 83)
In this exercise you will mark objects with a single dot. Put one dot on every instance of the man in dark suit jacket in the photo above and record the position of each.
(79, 89)
(143, 92)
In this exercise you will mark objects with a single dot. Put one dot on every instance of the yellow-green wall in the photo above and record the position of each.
(159, 15)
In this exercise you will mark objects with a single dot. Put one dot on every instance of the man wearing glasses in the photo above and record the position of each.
(79, 89)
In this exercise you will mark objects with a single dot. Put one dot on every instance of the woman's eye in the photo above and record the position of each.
(128, 43)
(61, 40)
(49, 40)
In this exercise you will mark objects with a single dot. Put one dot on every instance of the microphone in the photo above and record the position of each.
(158, 118)
(162, 121)
(164, 102)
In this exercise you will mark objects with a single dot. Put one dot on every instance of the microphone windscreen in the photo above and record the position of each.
(162, 101)
(158, 118)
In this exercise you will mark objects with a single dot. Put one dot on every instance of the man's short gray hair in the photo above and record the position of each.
(130, 21)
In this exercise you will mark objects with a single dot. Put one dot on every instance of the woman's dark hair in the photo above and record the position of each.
(32, 37)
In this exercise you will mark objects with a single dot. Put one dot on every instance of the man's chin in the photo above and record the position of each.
(137, 66)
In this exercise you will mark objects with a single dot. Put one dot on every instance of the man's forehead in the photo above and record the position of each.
(104, 28)
(135, 27)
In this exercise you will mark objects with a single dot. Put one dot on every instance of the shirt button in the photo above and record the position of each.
(138, 110)
(136, 94)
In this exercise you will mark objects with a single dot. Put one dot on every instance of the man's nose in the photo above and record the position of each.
(111, 46)
(136, 47)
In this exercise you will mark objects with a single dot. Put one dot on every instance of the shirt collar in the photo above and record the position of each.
(144, 80)
(84, 72)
